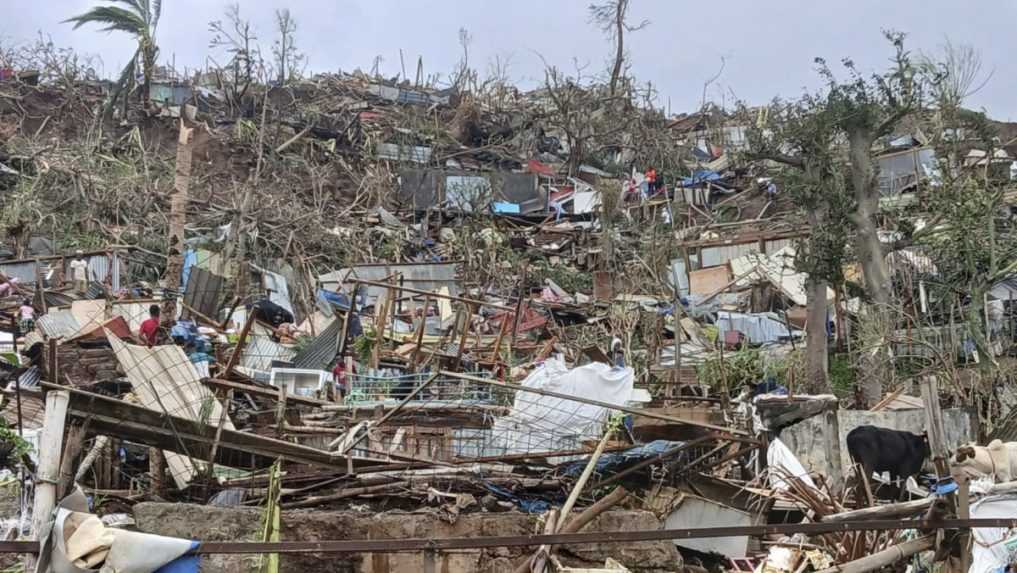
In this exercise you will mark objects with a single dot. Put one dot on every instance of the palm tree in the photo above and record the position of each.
(139, 19)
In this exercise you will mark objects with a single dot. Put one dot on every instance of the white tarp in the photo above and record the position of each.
(75, 541)
(993, 547)
(540, 423)
(779, 456)
(759, 328)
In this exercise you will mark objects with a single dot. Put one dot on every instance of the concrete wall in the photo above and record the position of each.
(243, 524)
(807, 438)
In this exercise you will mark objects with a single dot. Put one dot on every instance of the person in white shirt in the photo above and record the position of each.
(79, 272)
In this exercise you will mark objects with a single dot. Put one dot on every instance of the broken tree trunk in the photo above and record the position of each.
(875, 369)
(178, 219)
(815, 336)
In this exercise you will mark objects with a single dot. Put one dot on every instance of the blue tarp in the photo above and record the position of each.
(532, 505)
(700, 177)
(506, 207)
(187, 563)
(190, 259)
(612, 462)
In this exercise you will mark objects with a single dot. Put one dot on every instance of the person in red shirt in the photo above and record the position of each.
(150, 328)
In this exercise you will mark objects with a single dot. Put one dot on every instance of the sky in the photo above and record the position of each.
(762, 48)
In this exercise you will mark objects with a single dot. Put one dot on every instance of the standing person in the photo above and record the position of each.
(150, 328)
(341, 380)
(79, 272)
(27, 316)
(651, 181)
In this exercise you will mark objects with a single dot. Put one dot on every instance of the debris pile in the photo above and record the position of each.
(420, 327)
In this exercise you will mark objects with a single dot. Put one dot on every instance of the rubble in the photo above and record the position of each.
(423, 327)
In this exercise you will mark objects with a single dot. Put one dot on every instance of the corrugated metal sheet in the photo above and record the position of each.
(426, 276)
(278, 289)
(713, 256)
(133, 312)
(396, 152)
(164, 380)
(260, 350)
(202, 294)
(320, 354)
(24, 272)
(58, 324)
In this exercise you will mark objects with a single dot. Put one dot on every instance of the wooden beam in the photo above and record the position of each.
(141, 425)
(239, 348)
(885, 557)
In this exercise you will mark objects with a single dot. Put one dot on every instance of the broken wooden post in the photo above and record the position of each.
(156, 469)
(73, 444)
(934, 426)
(218, 431)
(885, 557)
(419, 337)
(280, 411)
(50, 447)
(618, 495)
(97, 449)
(239, 348)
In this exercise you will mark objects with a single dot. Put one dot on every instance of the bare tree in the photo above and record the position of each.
(288, 59)
(236, 36)
(610, 17)
(959, 73)
(462, 75)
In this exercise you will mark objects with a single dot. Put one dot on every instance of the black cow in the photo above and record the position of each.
(878, 450)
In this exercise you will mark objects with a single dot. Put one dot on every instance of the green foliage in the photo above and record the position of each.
(363, 345)
(568, 278)
(9, 437)
(734, 370)
(842, 375)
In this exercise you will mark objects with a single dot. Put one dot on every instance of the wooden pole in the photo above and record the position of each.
(618, 495)
(50, 447)
(421, 328)
(885, 557)
(934, 425)
(239, 349)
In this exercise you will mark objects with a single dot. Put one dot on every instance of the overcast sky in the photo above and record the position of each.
(768, 45)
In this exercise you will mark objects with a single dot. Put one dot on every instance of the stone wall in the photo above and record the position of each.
(808, 441)
(241, 524)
